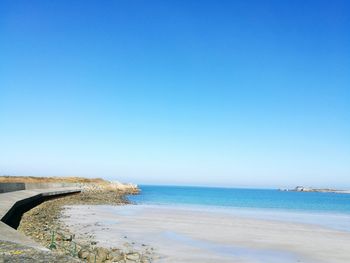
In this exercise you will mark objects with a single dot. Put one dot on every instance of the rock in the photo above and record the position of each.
(133, 256)
(91, 258)
(115, 256)
(84, 254)
(102, 253)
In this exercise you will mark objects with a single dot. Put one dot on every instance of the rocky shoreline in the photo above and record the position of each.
(39, 222)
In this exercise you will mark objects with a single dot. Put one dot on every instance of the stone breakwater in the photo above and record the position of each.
(39, 222)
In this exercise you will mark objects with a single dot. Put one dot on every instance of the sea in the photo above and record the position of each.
(330, 210)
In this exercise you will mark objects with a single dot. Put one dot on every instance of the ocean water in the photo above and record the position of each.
(243, 198)
(330, 210)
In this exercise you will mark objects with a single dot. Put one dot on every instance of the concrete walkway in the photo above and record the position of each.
(12, 201)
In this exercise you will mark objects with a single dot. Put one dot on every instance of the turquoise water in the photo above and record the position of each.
(243, 198)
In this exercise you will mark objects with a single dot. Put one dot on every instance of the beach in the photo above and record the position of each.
(188, 235)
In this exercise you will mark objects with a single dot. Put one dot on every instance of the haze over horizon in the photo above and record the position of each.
(218, 93)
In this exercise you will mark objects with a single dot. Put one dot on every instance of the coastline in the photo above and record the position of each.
(39, 222)
(102, 220)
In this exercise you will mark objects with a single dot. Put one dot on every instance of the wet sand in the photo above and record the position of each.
(182, 235)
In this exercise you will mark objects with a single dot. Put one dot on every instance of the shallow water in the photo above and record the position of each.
(323, 209)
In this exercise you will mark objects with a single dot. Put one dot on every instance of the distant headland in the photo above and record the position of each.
(319, 190)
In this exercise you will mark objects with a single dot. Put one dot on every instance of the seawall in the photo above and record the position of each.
(14, 204)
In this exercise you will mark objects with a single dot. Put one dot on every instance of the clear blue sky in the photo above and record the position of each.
(232, 93)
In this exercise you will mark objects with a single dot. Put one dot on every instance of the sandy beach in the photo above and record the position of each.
(182, 235)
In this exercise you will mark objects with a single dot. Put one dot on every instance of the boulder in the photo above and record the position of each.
(83, 253)
(102, 253)
(91, 258)
(115, 256)
(133, 256)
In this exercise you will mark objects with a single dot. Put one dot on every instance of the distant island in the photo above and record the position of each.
(319, 190)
